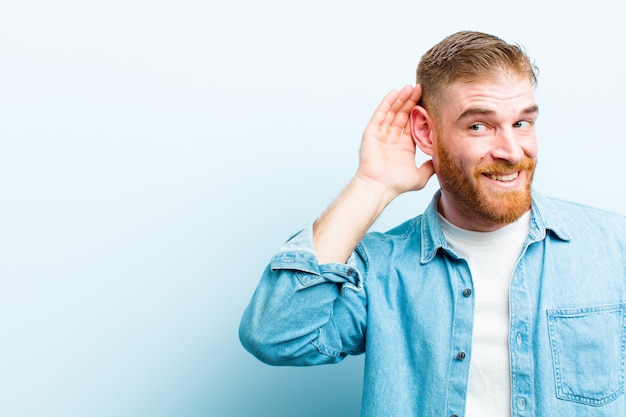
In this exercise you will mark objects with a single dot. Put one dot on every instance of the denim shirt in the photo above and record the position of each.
(406, 299)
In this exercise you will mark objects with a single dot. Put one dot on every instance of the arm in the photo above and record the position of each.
(303, 313)
(310, 307)
(386, 169)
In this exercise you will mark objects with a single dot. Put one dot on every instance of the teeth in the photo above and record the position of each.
(509, 177)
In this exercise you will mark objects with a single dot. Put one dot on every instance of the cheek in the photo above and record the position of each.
(436, 163)
(535, 146)
(531, 149)
(470, 161)
(529, 143)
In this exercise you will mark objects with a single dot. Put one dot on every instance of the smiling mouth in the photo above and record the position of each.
(503, 178)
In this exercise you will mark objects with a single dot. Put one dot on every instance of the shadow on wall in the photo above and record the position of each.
(253, 389)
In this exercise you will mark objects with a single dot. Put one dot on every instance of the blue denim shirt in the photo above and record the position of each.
(405, 298)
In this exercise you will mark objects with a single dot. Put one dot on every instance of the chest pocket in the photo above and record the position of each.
(588, 353)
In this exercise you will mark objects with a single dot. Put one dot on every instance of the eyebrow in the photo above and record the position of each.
(480, 111)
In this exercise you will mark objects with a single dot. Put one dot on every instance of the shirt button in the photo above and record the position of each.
(454, 415)
(460, 356)
(467, 292)
(350, 271)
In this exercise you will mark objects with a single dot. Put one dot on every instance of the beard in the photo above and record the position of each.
(478, 200)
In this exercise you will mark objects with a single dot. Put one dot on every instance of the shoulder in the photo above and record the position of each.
(575, 209)
(394, 242)
(584, 218)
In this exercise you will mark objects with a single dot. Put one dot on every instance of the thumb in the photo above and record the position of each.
(425, 171)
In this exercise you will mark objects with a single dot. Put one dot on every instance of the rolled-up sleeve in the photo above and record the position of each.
(303, 313)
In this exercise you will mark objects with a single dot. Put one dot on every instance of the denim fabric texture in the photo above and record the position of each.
(401, 298)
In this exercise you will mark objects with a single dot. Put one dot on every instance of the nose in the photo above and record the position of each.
(507, 146)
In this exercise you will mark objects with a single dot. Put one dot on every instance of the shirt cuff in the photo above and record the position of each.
(298, 254)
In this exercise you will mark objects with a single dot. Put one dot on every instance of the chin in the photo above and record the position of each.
(504, 208)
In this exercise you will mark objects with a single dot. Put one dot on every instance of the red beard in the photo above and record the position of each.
(479, 201)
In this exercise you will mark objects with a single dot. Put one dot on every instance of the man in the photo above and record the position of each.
(495, 301)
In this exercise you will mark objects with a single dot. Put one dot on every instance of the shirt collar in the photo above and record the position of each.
(543, 217)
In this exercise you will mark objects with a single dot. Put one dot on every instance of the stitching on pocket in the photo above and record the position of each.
(588, 346)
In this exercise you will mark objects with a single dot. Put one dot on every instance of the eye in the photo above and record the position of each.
(522, 124)
(478, 127)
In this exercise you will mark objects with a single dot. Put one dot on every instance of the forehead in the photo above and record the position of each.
(502, 95)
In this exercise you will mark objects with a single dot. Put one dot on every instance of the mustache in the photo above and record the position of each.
(525, 164)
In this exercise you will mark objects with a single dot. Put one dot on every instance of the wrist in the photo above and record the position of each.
(373, 191)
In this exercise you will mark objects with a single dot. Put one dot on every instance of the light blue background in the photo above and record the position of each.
(154, 154)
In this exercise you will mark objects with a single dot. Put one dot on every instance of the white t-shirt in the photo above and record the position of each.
(492, 257)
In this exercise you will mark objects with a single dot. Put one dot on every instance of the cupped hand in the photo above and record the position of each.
(387, 154)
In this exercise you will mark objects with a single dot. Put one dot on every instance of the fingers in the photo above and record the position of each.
(380, 114)
(398, 113)
(417, 94)
(395, 107)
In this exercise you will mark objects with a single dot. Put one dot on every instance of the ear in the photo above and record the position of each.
(423, 130)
